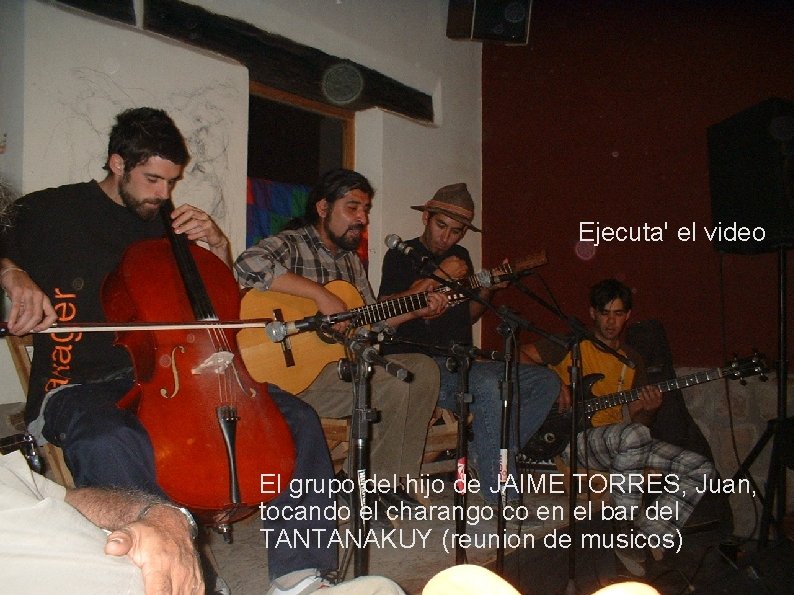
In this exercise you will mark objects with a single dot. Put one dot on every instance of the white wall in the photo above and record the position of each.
(74, 72)
(406, 161)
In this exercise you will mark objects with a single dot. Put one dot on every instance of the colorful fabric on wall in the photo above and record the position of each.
(270, 205)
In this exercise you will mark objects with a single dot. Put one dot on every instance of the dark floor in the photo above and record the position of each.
(702, 566)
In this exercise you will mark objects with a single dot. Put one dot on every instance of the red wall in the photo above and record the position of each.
(603, 117)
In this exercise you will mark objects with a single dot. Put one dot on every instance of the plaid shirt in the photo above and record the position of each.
(302, 252)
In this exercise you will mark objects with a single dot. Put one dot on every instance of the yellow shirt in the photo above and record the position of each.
(617, 377)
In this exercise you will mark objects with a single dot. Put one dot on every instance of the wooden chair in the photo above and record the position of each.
(21, 349)
(442, 436)
(337, 436)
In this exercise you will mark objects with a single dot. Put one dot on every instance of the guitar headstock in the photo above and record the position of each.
(530, 261)
(745, 367)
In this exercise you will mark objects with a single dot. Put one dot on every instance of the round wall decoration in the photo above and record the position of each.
(342, 83)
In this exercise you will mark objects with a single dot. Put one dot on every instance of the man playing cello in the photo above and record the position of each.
(66, 240)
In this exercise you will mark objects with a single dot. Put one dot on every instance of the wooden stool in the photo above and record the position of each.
(442, 436)
(337, 436)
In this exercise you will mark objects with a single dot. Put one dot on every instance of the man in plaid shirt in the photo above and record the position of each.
(321, 247)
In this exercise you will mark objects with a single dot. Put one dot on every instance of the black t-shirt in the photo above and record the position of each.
(69, 239)
(399, 272)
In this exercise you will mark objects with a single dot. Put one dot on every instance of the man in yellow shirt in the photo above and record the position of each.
(620, 441)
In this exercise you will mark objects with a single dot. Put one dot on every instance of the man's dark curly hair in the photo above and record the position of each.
(331, 186)
(144, 132)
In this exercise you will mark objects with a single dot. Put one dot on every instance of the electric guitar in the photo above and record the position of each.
(294, 363)
(555, 433)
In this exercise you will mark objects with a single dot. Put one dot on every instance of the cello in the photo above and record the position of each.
(221, 445)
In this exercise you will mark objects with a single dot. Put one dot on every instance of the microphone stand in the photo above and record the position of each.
(357, 368)
(510, 322)
(460, 361)
(507, 329)
(459, 357)
(579, 334)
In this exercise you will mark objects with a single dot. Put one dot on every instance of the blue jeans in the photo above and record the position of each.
(107, 446)
(534, 391)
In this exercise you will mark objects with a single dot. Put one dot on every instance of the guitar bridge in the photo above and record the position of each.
(217, 363)
(286, 345)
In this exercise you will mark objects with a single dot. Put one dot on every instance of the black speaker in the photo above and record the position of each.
(750, 172)
(505, 21)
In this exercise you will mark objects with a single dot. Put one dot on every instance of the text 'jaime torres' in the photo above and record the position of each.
(595, 232)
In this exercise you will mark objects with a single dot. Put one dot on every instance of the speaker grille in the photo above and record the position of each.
(751, 161)
(505, 21)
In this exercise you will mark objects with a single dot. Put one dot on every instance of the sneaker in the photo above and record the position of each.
(214, 584)
(221, 587)
(299, 582)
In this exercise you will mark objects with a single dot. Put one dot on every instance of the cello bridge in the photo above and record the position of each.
(217, 363)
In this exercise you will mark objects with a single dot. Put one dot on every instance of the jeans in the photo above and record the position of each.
(107, 446)
(535, 389)
(102, 444)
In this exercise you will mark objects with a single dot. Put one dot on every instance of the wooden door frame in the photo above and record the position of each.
(346, 116)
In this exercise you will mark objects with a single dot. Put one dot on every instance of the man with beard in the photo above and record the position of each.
(300, 260)
(446, 218)
(66, 240)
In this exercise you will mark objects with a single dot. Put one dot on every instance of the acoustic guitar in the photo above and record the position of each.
(555, 433)
(294, 363)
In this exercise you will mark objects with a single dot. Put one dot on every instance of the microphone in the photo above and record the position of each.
(395, 242)
(486, 279)
(370, 355)
(277, 331)
(469, 351)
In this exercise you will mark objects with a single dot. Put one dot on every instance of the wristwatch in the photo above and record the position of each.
(191, 522)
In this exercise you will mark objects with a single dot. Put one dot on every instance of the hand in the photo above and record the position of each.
(437, 304)
(650, 398)
(31, 309)
(452, 267)
(329, 303)
(160, 545)
(197, 226)
(419, 286)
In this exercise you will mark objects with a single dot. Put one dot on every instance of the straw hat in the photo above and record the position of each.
(453, 201)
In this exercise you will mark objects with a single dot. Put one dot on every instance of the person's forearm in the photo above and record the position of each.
(110, 508)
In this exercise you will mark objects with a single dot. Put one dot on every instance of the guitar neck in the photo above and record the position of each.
(378, 311)
(593, 405)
